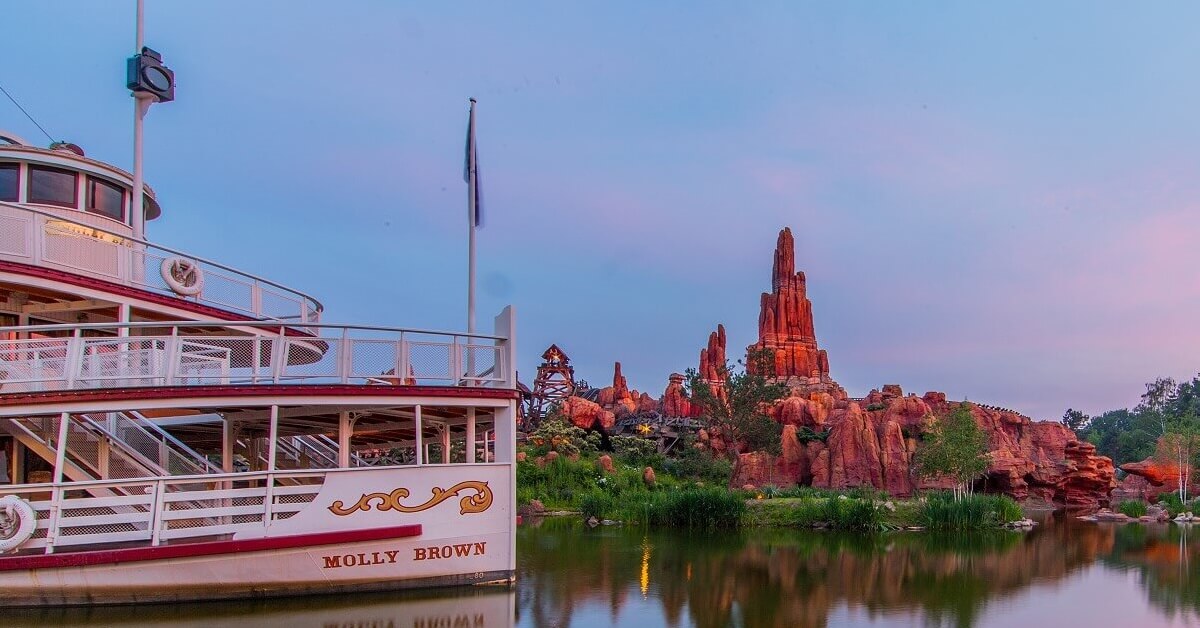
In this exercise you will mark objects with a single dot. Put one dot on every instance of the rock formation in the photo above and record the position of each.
(786, 338)
(587, 414)
(830, 440)
(1156, 478)
(846, 446)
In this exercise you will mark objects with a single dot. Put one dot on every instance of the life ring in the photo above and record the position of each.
(182, 275)
(15, 507)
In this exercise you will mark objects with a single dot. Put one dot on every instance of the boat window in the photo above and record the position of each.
(52, 186)
(106, 199)
(9, 179)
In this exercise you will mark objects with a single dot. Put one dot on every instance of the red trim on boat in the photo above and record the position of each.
(209, 548)
(253, 390)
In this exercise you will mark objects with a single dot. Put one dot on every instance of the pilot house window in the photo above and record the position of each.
(52, 186)
(9, 175)
(106, 199)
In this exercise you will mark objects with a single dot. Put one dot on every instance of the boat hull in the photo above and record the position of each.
(374, 565)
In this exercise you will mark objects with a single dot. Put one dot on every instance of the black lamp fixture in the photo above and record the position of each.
(146, 74)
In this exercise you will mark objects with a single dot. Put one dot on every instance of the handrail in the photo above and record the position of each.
(231, 354)
(237, 324)
(154, 431)
(316, 305)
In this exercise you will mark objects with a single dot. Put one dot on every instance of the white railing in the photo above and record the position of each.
(157, 510)
(41, 238)
(75, 357)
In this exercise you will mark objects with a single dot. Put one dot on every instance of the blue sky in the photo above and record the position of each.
(998, 202)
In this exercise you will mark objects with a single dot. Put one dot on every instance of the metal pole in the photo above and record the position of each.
(141, 104)
(470, 448)
(60, 454)
(471, 203)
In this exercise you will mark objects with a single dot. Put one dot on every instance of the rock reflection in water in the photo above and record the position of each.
(574, 576)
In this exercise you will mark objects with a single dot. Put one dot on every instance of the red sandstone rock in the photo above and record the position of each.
(605, 463)
(586, 414)
(1159, 477)
(648, 476)
(785, 321)
(1027, 459)
(712, 357)
(675, 402)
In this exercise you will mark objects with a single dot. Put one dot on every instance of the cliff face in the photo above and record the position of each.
(830, 440)
(1028, 460)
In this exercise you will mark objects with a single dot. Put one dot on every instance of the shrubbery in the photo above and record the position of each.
(1132, 508)
(941, 511)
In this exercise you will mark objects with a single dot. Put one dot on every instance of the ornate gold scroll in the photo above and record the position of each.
(480, 501)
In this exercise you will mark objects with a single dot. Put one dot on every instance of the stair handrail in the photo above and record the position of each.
(144, 423)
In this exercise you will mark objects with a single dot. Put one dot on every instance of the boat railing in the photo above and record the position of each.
(160, 510)
(189, 353)
(44, 239)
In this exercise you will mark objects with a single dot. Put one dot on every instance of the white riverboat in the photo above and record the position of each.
(174, 429)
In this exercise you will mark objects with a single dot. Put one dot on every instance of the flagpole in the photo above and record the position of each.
(471, 202)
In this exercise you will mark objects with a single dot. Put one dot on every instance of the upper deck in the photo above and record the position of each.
(64, 213)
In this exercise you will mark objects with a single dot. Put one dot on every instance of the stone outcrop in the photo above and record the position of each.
(675, 402)
(1156, 478)
(785, 322)
(586, 414)
(849, 446)
(712, 357)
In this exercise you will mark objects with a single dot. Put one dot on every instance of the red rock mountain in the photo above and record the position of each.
(831, 440)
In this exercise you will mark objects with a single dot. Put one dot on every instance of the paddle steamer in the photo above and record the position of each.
(175, 429)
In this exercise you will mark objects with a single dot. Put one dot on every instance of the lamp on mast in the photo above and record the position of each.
(149, 81)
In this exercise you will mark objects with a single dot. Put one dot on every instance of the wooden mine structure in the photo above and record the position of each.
(554, 382)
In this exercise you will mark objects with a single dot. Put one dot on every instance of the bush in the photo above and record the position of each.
(860, 515)
(1132, 508)
(1172, 503)
(972, 512)
(691, 508)
(596, 503)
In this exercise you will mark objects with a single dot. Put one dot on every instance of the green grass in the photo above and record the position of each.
(1132, 508)
(973, 512)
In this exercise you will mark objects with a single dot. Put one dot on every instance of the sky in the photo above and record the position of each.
(996, 201)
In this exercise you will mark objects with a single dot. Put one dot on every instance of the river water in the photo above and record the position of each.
(1064, 573)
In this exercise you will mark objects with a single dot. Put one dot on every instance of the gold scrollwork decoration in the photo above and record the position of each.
(476, 502)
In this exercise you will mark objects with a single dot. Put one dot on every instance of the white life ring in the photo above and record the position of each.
(14, 506)
(182, 275)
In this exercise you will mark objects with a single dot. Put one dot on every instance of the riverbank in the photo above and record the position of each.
(694, 495)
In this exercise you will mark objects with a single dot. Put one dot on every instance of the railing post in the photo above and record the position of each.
(344, 357)
(74, 365)
(173, 358)
(56, 505)
(402, 360)
(256, 298)
(278, 356)
(455, 363)
(159, 505)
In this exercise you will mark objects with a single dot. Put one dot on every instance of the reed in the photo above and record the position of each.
(971, 512)
(1132, 508)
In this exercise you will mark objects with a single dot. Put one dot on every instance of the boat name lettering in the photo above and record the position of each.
(478, 502)
(360, 559)
(458, 550)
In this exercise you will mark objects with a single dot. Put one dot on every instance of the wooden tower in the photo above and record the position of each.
(555, 381)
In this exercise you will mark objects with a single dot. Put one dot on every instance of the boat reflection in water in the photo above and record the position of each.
(479, 607)
(1064, 572)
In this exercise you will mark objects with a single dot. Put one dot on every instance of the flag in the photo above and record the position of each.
(471, 166)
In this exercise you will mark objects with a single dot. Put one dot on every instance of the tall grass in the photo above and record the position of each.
(972, 512)
(1132, 508)
(858, 515)
(688, 508)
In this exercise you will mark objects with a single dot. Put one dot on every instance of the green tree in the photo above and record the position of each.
(1179, 447)
(954, 447)
(738, 403)
(1075, 420)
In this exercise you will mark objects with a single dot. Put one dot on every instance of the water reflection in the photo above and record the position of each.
(571, 576)
(1063, 573)
(487, 607)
